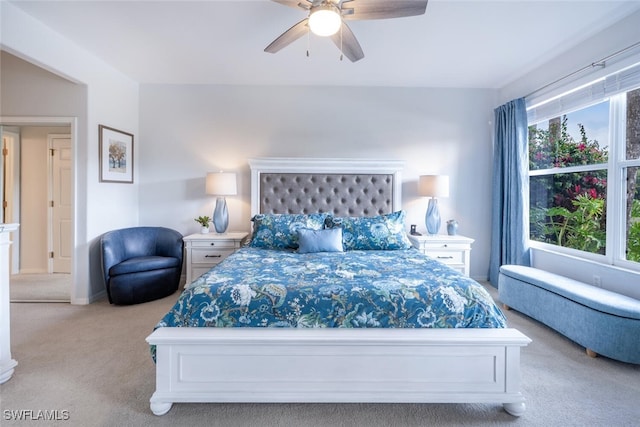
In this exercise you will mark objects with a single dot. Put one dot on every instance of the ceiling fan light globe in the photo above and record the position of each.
(325, 21)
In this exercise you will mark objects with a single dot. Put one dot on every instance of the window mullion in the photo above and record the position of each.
(616, 190)
(569, 169)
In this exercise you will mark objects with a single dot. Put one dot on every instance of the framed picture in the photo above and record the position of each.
(116, 155)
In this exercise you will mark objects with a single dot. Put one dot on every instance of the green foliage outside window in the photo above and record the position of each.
(633, 240)
(555, 148)
(580, 228)
(569, 209)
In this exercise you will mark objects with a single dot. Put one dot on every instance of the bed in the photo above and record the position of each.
(297, 317)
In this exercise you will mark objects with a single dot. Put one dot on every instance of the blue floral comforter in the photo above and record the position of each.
(257, 287)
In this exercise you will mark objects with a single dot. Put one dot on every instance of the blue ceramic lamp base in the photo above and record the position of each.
(221, 215)
(432, 218)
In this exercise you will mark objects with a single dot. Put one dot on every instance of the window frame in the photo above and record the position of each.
(616, 188)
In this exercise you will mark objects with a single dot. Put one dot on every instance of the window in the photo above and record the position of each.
(568, 179)
(584, 172)
(630, 172)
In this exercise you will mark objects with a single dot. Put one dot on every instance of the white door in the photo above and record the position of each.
(61, 206)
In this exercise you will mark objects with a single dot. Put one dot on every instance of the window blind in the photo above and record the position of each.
(582, 96)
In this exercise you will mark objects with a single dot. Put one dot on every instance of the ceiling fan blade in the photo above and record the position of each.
(347, 43)
(289, 36)
(377, 9)
(304, 4)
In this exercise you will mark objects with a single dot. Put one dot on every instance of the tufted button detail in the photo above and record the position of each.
(341, 194)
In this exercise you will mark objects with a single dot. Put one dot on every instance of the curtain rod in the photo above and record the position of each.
(600, 63)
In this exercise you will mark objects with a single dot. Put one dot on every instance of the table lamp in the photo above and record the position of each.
(221, 184)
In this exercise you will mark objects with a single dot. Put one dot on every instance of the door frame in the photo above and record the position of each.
(13, 159)
(72, 122)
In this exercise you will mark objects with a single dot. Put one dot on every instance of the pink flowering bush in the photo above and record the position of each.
(567, 209)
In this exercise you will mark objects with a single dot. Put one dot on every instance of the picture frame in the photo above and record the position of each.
(116, 155)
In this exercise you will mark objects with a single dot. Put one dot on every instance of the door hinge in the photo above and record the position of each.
(52, 151)
(51, 254)
(50, 203)
(5, 204)
(5, 152)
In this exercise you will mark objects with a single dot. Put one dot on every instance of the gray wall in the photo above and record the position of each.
(189, 130)
(109, 97)
(28, 90)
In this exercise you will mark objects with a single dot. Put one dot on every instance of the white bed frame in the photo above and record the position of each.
(336, 365)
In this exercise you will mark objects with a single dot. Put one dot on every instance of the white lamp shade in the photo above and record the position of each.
(325, 20)
(221, 184)
(433, 186)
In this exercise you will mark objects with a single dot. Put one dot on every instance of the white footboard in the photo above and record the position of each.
(337, 365)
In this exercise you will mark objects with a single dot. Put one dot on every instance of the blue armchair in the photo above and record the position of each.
(141, 264)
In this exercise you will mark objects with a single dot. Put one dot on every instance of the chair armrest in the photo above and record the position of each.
(112, 251)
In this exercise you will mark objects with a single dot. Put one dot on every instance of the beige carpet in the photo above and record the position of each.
(40, 287)
(92, 361)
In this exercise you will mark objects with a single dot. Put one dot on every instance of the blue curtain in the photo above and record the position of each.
(510, 216)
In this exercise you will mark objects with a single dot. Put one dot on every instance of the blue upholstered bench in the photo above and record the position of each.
(604, 322)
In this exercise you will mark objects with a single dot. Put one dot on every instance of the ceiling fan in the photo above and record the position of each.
(326, 18)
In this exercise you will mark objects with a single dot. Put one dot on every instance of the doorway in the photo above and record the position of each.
(40, 196)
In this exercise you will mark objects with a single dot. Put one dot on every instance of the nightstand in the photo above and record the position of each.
(203, 251)
(454, 251)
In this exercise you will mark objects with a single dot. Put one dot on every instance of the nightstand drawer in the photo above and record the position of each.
(443, 246)
(218, 244)
(447, 257)
(209, 256)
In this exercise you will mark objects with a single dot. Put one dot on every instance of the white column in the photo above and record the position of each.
(7, 364)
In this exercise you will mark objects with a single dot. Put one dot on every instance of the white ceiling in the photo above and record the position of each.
(457, 43)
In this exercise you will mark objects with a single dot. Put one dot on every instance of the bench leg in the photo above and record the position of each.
(506, 307)
(591, 353)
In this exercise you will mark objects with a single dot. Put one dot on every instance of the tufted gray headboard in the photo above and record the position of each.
(344, 187)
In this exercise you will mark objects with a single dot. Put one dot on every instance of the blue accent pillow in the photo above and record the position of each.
(383, 232)
(329, 240)
(279, 231)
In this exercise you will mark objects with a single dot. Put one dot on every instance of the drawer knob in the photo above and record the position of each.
(445, 245)
(213, 256)
(213, 243)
